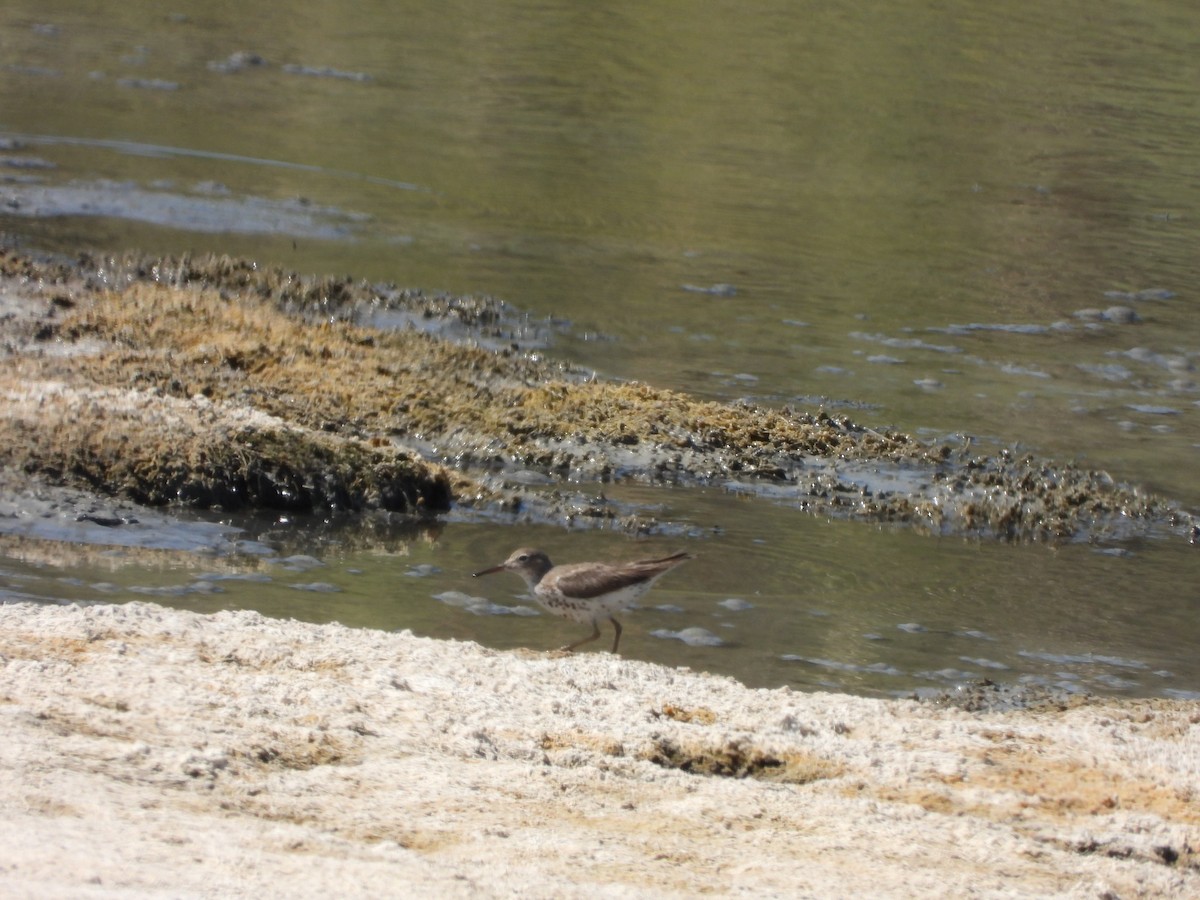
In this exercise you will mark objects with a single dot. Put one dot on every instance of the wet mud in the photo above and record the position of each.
(215, 383)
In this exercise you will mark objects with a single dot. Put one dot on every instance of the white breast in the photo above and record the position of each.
(589, 610)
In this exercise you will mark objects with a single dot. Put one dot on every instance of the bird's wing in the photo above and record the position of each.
(589, 581)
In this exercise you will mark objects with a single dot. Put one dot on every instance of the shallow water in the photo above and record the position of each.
(772, 598)
(906, 214)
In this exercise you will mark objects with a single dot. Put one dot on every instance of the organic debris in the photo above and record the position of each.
(213, 382)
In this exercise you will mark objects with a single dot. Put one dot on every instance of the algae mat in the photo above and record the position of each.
(213, 383)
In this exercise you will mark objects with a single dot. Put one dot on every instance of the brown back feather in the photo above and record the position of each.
(588, 582)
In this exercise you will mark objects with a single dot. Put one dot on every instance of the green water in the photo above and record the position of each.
(823, 605)
(866, 177)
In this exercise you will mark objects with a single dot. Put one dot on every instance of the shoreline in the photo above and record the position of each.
(150, 750)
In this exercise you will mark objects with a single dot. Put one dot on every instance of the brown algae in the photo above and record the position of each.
(212, 382)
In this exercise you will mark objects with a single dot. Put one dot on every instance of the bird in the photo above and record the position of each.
(587, 592)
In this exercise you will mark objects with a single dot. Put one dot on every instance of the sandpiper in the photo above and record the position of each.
(586, 592)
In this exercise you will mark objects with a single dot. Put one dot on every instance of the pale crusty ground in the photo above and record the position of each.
(150, 752)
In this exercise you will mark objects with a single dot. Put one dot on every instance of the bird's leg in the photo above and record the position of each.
(617, 637)
(591, 637)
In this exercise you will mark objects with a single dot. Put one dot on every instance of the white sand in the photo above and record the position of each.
(152, 752)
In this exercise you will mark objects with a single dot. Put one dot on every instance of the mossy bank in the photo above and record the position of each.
(214, 383)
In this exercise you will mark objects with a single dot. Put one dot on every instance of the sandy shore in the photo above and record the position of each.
(155, 752)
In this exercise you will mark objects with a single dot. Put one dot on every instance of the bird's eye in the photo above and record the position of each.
(523, 557)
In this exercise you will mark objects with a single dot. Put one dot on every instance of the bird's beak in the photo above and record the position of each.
(499, 568)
